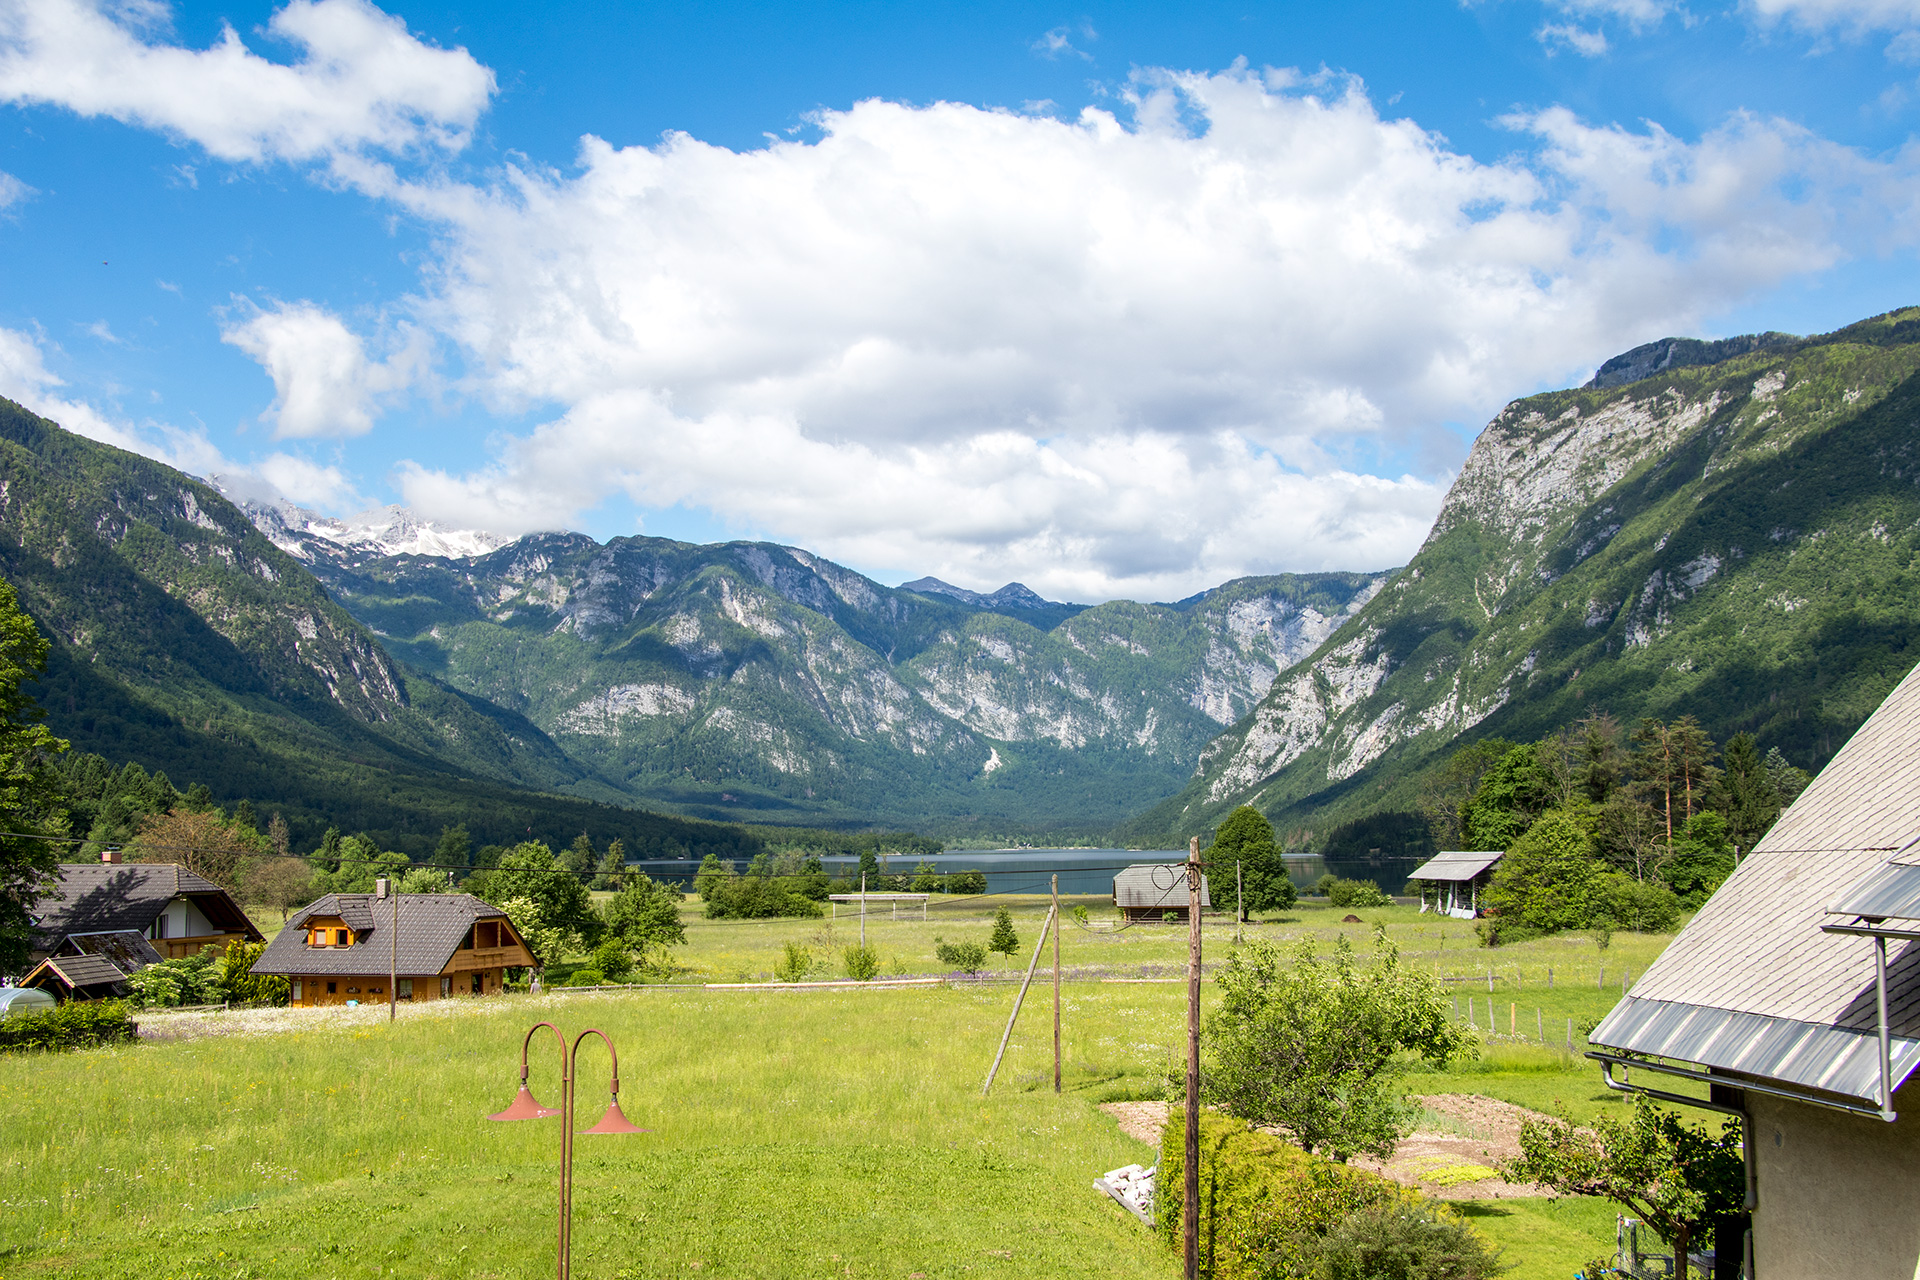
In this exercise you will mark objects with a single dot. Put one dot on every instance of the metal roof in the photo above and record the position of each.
(1891, 893)
(1156, 884)
(1757, 947)
(432, 927)
(1457, 864)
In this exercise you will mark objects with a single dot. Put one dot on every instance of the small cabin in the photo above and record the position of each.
(346, 947)
(1451, 881)
(1149, 890)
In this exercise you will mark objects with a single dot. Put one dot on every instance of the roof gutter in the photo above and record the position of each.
(1608, 1061)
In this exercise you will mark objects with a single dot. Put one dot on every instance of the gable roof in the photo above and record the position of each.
(76, 972)
(432, 926)
(1156, 884)
(103, 897)
(1457, 864)
(1753, 984)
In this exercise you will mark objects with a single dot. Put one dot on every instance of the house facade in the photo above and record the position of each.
(101, 921)
(346, 947)
(1792, 1000)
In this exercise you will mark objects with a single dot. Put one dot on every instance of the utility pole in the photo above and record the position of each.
(1190, 1205)
(1239, 905)
(863, 908)
(387, 890)
(1056, 985)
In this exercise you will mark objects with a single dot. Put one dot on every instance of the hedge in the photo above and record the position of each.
(1264, 1203)
(77, 1024)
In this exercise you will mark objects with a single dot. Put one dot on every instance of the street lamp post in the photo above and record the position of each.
(526, 1107)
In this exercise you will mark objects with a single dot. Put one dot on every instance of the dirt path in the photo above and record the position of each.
(1452, 1156)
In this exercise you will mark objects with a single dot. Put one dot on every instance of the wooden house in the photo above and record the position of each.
(103, 920)
(1149, 890)
(1453, 879)
(342, 948)
(1792, 1001)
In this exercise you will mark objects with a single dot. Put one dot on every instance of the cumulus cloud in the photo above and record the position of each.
(1114, 354)
(324, 382)
(362, 80)
(1639, 15)
(26, 379)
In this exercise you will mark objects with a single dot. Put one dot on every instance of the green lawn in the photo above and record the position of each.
(795, 1132)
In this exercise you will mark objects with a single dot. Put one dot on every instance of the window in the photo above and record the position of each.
(299, 989)
(333, 988)
(342, 938)
(446, 987)
(404, 989)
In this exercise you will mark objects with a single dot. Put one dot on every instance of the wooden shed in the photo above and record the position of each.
(343, 947)
(1149, 890)
(1453, 878)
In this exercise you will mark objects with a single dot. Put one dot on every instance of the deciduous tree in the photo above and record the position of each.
(1004, 939)
(1246, 838)
(1674, 1176)
(1319, 1047)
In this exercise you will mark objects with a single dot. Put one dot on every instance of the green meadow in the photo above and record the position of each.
(794, 1132)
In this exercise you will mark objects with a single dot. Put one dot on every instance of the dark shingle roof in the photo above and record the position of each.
(99, 897)
(80, 971)
(432, 927)
(128, 950)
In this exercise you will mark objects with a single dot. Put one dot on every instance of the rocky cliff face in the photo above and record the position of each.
(748, 678)
(1732, 535)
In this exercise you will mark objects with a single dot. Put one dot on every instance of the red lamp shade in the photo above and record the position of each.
(525, 1107)
(615, 1121)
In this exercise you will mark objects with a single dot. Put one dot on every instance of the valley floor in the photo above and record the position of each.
(793, 1132)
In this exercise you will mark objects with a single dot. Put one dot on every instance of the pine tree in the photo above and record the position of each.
(28, 782)
(1246, 838)
(580, 856)
(613, 868)
(1004, 939)
(1745, 795)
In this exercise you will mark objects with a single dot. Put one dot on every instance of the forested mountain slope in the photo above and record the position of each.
(752, 680)
(184, 639)
(1732, 535)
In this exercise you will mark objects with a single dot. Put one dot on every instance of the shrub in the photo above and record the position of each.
(613, 959)
(1264, 1203)
(194, 979)
(968, 957)
(862, 963)
(795, 965)
(1355, 893)
(1642, 906)
(967, 882)
(1405, 1238)
(77, 1024)
(757, 898)
(246, 986)
(586, 976)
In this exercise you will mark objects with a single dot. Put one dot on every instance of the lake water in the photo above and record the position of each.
(1081, 871)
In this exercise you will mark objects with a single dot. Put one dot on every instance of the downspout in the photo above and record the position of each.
(1880, 1008)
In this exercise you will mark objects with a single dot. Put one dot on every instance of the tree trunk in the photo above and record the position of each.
(1680, 1243)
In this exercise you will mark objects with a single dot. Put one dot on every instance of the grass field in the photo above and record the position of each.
(795, 1133)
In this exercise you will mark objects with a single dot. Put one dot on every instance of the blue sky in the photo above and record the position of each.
(1113, 300)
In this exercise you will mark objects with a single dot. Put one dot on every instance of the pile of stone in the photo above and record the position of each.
(1132, 1186)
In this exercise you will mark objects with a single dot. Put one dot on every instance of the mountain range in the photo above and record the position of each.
(1726, 528)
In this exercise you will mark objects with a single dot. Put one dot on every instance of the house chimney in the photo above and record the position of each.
(110, 854)
(380, 888)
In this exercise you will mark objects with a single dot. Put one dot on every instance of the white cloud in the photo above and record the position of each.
(1588, 44)
(13, 191)
(1097, 355)
(1059, 42)
(1639, 15)
(323, 380)
(1846, 17)
(362, 80)
(25, 379)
